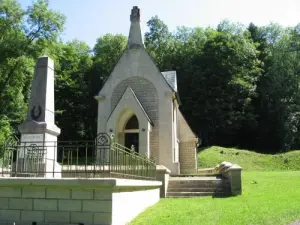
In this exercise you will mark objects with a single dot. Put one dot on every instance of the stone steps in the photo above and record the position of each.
(193, 194)
(194, 189)
(196, 186)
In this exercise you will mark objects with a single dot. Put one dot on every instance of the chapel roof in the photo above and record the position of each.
(171, 78)
(142, 107)
(135, 41)
(129, 89)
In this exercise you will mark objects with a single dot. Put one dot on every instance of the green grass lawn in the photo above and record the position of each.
(249, 161)
(271, 194)
(268, 198)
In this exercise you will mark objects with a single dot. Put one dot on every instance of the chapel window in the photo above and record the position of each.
(132, 123)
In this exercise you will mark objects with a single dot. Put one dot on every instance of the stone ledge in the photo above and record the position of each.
(99, 98)
(95, 183)
(33, 127)
(234, 167)
(161, 168)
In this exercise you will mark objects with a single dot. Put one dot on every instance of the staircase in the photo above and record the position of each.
(196, 186)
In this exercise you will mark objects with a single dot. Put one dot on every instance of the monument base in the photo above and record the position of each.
(33, 168)
(34, 127)
(37, 155)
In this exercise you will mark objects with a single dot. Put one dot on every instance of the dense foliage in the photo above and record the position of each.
(239, 85)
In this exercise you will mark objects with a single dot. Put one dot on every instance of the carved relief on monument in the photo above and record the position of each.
(36, 112)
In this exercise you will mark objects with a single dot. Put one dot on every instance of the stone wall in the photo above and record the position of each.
(187, 147)
(188, 157)
(74, 201)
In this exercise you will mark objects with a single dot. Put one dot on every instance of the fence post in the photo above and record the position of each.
(112, 147)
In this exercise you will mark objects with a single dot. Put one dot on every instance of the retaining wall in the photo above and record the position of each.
(67, 201)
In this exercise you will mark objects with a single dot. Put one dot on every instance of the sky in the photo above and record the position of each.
(89, 19)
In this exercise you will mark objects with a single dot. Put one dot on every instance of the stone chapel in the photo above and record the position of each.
(140, 106)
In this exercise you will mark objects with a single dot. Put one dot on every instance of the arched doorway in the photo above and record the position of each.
(131, 132)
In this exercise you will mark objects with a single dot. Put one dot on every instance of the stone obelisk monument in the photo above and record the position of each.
(39, 128)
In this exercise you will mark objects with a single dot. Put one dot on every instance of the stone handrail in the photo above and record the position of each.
(232, 173)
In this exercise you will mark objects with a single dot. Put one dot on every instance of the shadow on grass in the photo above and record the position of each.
(223, 195)
(201, 149)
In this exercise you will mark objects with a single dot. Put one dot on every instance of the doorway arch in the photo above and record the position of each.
(131, 133)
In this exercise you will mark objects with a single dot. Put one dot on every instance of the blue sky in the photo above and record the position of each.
(89, 19)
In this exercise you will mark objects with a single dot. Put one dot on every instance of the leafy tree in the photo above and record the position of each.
(222, 86)
(107, 52)
(158, 42)
(282, 91)
(239, 86)
(71, 90)
(21, 31)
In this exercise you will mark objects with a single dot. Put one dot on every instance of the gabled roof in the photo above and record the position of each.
(129, 89)
(171, 78)
(135, 40)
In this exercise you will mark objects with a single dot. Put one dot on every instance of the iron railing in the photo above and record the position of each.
(102, 157)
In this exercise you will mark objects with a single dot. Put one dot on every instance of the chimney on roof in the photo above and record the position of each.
(135, 14)
(135, 35)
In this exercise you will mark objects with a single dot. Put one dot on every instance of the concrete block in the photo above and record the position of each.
(58, 193)
(8, 192)
(37, 216)
(59, 217)
(163, 174)
(234, 177)
(36, 192)
(45, 204)
(96, 206)
(82, 194)
(102, 218)
(3, 203)
(19, 203)
(8, 214)
(69, 205)
(103, 195)
(82, 217)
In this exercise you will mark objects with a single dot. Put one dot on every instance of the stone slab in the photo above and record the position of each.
(94, 183)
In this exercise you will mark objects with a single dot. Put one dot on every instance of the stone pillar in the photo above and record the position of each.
(135, 38)
(144, 138)
(234, 176)
(38, 153)
(163, 175)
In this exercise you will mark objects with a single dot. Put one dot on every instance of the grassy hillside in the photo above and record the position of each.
(249, 161)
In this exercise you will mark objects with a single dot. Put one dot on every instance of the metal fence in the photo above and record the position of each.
(102, 157)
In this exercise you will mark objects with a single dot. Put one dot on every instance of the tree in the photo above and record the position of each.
(107, 51)
(72, 94)
(21, 32)
(238, 86)
(282, 91)
(159, 43)
(222, 86)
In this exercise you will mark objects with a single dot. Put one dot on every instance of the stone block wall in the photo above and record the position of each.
(73, 201)
(188, 157)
